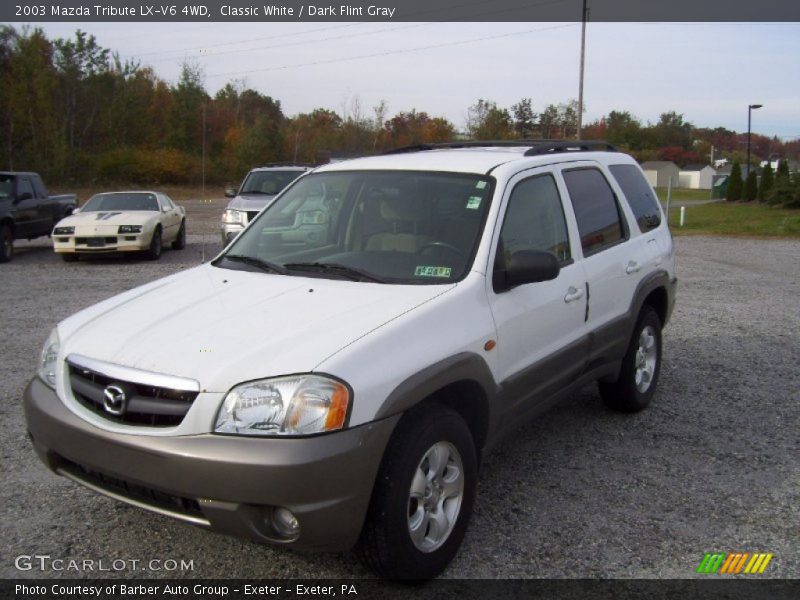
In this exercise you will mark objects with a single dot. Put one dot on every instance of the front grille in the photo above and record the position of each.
(252, 214)
(133, 491)
(95, 241)
(144, 405)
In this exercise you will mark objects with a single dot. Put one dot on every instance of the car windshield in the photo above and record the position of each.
(391, 227)
(121, 201)
(268, 182)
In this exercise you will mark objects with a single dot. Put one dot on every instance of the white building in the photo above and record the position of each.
(659, 172)
(696, 177)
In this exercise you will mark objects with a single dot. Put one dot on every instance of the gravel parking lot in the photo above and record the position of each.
(713, 465)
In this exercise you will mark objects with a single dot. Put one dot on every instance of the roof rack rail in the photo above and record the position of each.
(537, 147)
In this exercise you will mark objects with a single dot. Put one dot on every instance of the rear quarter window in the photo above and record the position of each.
(600, 222)
(639, 194)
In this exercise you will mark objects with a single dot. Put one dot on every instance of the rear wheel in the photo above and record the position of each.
(180, 241)
(423, 497)
(154, 251)
(641, 366)
(6, 243)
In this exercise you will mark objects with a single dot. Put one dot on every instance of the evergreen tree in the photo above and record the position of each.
(751, 186)
(735, 183)
(783, 171)
(766, 183)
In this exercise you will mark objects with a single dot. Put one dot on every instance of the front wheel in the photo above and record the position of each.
(423, 497)
(641, 366)
(154, 251)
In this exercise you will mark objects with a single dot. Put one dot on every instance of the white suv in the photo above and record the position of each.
(333, 378)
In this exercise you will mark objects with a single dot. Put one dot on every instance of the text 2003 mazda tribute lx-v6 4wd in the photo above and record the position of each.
(332, 379)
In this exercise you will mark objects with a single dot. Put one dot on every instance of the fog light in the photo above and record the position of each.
(285, 522)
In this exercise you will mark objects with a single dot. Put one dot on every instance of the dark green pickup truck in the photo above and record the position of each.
(26, 209)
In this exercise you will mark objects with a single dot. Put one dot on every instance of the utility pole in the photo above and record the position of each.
(584, 18)
(203, 167)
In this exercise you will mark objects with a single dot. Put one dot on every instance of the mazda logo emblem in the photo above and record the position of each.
(114, 400)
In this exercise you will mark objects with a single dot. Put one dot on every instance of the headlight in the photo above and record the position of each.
(129, 229)
(232, 216)
(296, 405)
(63, 231)
(47, 364)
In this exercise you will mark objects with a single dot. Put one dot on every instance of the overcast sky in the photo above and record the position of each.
(709, 72)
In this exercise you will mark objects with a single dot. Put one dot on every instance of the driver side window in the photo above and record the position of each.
(534, 220)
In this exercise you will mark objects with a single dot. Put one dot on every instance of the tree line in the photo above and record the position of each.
(77, 113)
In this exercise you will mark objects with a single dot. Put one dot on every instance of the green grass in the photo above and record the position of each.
(736, 218)
(679, 194)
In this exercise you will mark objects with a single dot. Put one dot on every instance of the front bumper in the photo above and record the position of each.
(230, 231)
(230, 484)
(97, 243)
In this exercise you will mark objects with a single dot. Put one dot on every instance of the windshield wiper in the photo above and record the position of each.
(259, 263)
(335, 269)
(256, 192)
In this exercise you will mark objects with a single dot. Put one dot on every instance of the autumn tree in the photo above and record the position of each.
(524, 118)
(486, 121)
(549, 121)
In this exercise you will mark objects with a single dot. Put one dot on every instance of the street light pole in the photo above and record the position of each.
(750, 109)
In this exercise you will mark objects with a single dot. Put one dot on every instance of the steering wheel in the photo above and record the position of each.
(444, 246)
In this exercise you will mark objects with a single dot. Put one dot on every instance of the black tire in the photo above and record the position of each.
(626, 394)
(180, 241)
(6, 243)
(154, 251)
(69, 257)
(386, 546)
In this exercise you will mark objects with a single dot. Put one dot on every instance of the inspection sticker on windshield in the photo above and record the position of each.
(481, 185)
(432, 271)
(474, 202)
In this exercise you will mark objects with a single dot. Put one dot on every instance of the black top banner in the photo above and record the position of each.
(31, 11)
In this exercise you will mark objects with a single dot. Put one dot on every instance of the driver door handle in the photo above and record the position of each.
(573, 294)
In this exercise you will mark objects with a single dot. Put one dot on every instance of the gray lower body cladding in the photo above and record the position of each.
(230, 484)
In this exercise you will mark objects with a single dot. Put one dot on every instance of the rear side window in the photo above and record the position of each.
(599, 220)
(640, 195)
(25, 187)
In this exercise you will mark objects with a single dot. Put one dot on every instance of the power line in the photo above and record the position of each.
(304, 42)
(179, 51)
(391, 52)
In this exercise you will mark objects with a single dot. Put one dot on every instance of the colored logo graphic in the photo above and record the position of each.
(734, 564)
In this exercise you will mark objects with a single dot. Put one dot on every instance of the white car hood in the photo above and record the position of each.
(108, 217)
(221, 327)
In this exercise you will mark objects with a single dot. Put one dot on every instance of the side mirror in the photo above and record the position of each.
(529, 266)
(24, 196)
(230, 192)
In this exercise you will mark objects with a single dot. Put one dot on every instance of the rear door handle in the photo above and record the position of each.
(573, 294)
(632, 267)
